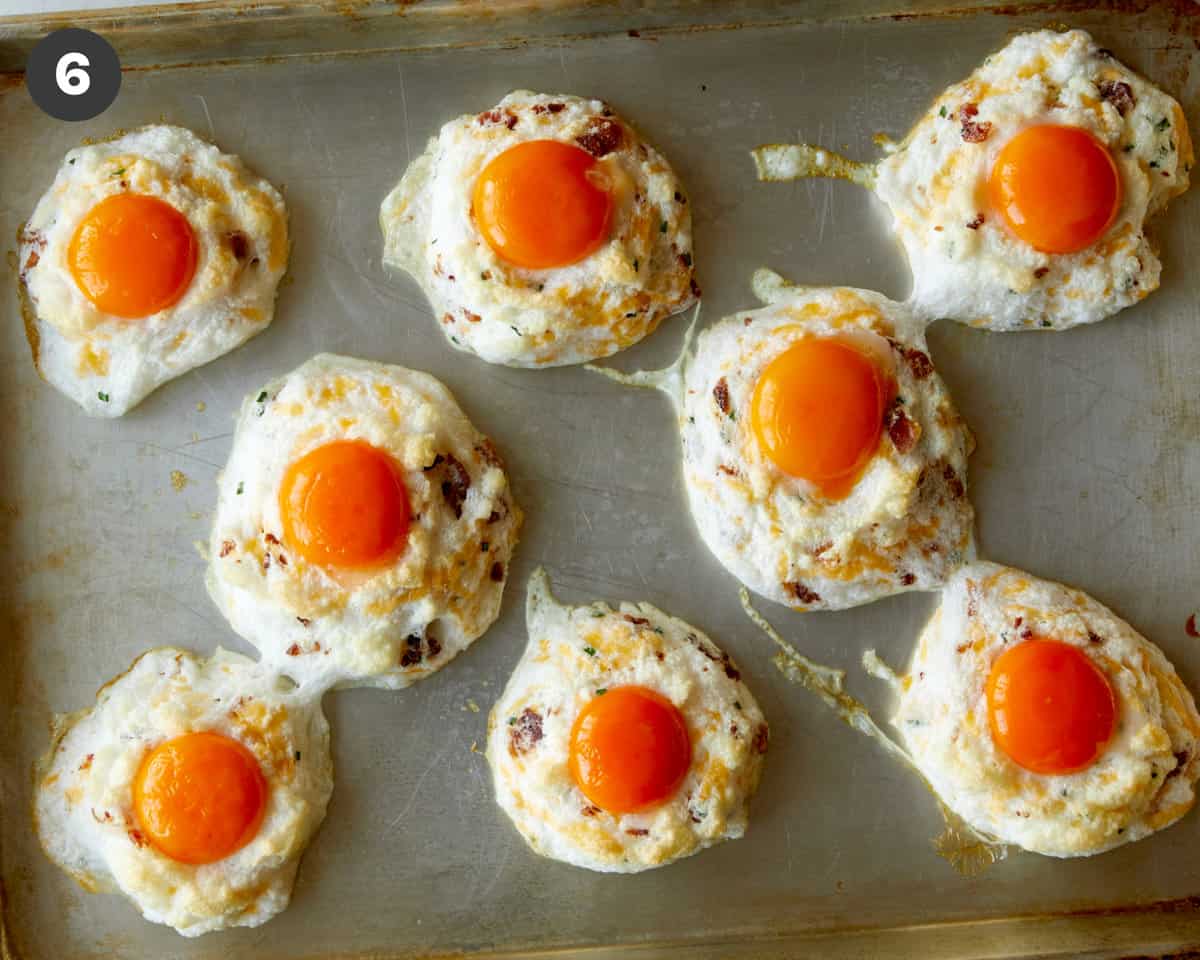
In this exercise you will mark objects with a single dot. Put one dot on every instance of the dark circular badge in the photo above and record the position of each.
(73, 74)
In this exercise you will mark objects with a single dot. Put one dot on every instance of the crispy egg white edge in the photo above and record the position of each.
(427, 215)
(96, 853)
(705, 447)
(938, 695)
(985, 276)
(141, 354)
(257, 615)
(685, 674)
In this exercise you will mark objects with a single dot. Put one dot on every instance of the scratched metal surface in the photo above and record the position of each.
(1087, 470)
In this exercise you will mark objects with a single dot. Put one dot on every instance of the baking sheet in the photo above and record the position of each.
(1087, 470)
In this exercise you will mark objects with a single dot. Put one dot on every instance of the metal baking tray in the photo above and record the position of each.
(1087, 470)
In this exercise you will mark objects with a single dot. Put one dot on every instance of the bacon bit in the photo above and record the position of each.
(1040, 272)
(637, 831)
(637, 621)
(762, 739)
(975, 223)
(412, 651)
(548, 107)
(433, 645)
(1027, 634)
(456, 484)
(471, 317)
(293, 650)
(507, 117)
(1018, 621)
(497, 572)
(730, 670)
(438, 460)
(1093, 637)
(973, 131)
(602, 137)
(733, 729)
(303, 621)
(493, 517)
(282, 560)
(266, 561)
(919, 363)
(801, 592)
(33, 259)
(489, 455)
(907, 579)
(1190, 627)
(87, 762)
(107, 818)
(447, 319)
(695, 287)
(1119, 94)
(728, 471)
(138, 838)
(955, 486)
(226, 548)
(271, 538)
(590, 810)
(962, 648)
(317, 647)
(239, 244)
(524, 732)
(685, 258)
(821, 548)
(902, 431)
(721, 395)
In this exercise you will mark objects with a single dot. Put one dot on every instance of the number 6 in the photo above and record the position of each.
(70, 76)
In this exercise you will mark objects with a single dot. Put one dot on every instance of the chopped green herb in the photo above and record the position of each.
(590, 651)
(454, 340)
(733, 415)
(1153, 164)
(597, 613)
(485, 546)
(691, 419)
(942, 112)
(515, 330)
(662, 227)
(103, 396)
(261, 397)
(1170, 144)
(1162, 125)
(119, 172)
(1128, 148)
(512, 721)
(737, 704)
(602, 691)
(659, 631)
(1046, 323)
(241, 488)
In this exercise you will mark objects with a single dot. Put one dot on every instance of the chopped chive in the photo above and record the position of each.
(241, 488)
(602, 691)
(103, 396)
(590, 651)
(942, 112)
(512, 721)
(662, 227)
(261, 397)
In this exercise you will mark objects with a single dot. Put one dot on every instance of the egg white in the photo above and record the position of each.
(966, 263)
(574, 652)
(906, 524)
(83, 811)
(388, 627)
(528, 318)
(1144, 780)
(108, 364)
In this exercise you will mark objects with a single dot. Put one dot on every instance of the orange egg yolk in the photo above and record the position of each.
(629, 749)
(1050, 708)
(133, 255)
(344, 504)
(543, 204)
(199, 797)
(1056, 187)
(817, 412)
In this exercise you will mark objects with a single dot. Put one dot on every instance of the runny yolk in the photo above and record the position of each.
(199, 797)
(817, 412)
(1056, 187)
(629, 749)
(1050, 708)
(543, 204)
(133, 255)
(344, 504)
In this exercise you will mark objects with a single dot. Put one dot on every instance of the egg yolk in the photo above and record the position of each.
(1056, 187)
(133, 255)
(1050, 708)
(543, 204)
(344, 504)
(199, 797)
(817, 412)
(629, 749)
